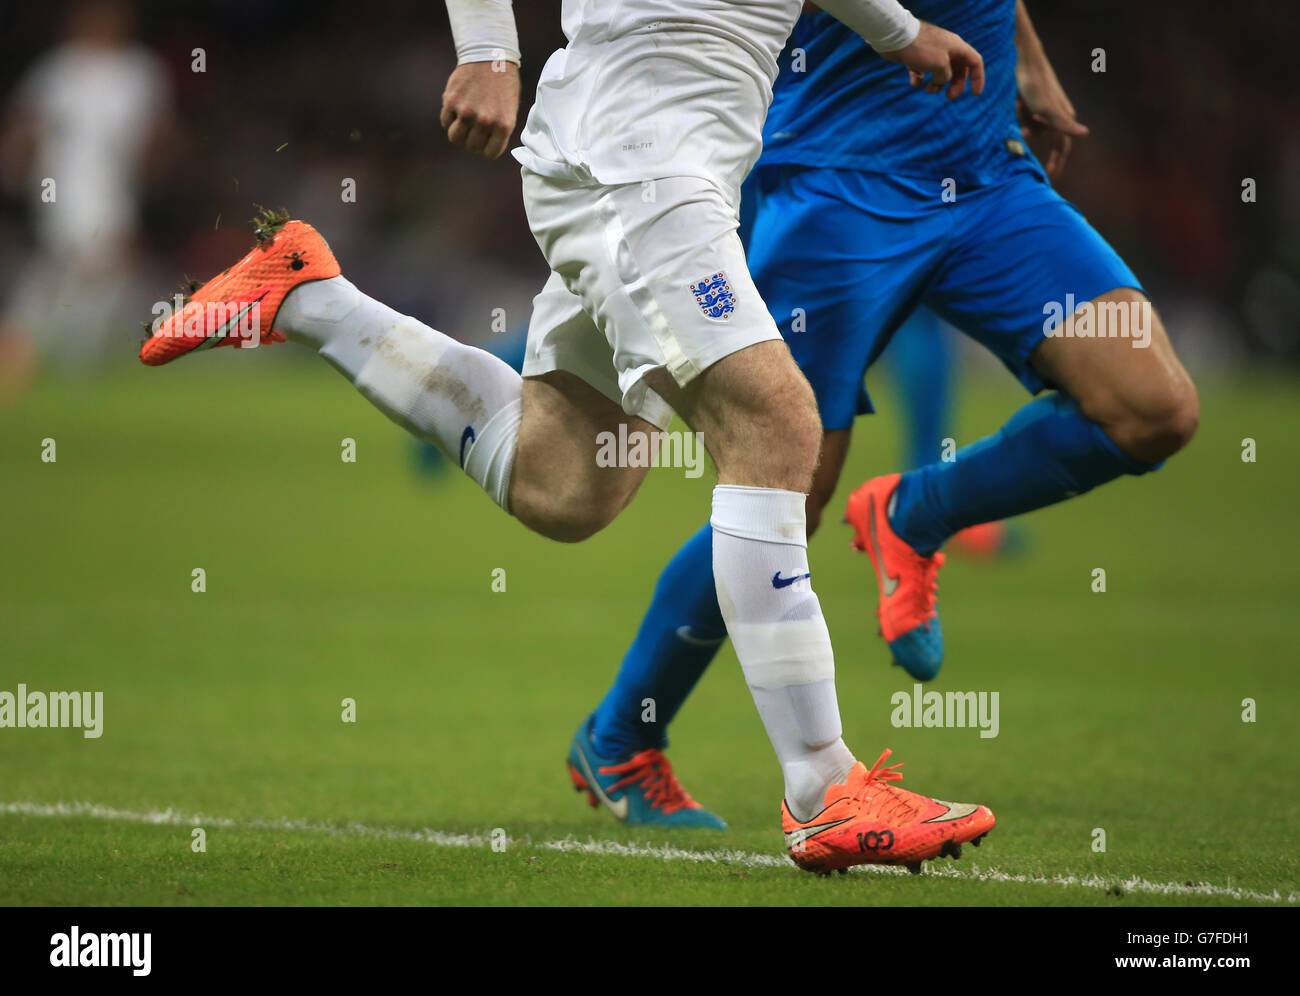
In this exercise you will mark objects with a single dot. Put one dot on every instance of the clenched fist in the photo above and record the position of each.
(480, 106)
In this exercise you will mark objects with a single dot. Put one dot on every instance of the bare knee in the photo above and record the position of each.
(789, 459)
(567, 525)
(758, 417)
(1159, 424)
(1142, 398)
(774, 449)
(1173, 425)
(558, 487)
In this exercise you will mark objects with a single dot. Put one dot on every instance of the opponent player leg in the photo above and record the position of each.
(920, 361)
(1141, 405)
(1131, 386)
(1121, 410)
(624, 766)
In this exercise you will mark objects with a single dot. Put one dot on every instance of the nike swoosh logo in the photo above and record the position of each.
(619, 808)
(466, 437)
(888, 585)
(794, 838)
(685, 634)
(779, 582)
(956, 811)
(238, 317)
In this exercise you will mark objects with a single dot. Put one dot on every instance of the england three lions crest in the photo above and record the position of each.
(715, 297)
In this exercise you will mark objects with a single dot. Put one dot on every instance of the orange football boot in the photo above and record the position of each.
(870, 821)
(241, 303)
(908, 582)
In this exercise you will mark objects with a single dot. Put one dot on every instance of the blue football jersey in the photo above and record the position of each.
(839, 104)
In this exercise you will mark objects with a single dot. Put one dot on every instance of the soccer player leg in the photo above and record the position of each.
(922, 364)
(920, 361)
(588, 232)
(463, 399)
(836, 811)
(1060, 308)
(682, 632)
(561, 487)
(529, 442)
(460, 398)
(1123, 374)
(665, 279)
(758, 419)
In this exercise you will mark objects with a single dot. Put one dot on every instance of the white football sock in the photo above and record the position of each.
(760, 567)
(464, 400)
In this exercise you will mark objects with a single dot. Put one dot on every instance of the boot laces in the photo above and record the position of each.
(653, 772)
(889, 804)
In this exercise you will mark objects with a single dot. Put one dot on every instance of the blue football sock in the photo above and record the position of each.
(920, 357)
(680, 635)
(1048, 451)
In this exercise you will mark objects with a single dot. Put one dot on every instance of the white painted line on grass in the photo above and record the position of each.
(664, 852)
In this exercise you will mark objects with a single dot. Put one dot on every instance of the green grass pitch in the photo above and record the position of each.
(329, 580)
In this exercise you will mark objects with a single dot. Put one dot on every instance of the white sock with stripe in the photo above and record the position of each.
(760, 567)
(464, 400)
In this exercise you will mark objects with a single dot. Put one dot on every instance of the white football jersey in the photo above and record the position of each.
(654, 88)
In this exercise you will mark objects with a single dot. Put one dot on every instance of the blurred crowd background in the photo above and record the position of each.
(296, 97)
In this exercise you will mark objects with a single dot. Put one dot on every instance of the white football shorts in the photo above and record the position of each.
(643, 275)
